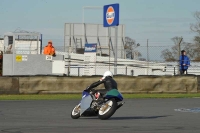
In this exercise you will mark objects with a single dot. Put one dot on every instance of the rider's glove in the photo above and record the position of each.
(102, 78)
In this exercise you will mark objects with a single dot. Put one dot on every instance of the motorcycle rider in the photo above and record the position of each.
(109, 84)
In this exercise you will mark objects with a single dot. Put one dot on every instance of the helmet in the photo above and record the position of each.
(107, 73)
(182, 51)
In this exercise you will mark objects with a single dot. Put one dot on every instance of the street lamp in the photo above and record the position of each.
(83, 16)
(90, 7)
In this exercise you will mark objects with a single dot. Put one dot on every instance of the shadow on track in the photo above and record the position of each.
(130, 117)
(137, 117)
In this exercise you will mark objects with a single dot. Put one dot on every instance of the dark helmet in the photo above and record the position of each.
(182, 51)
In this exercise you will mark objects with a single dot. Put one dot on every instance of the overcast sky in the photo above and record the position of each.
(156, 20)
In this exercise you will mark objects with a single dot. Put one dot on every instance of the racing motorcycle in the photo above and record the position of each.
(93, 104)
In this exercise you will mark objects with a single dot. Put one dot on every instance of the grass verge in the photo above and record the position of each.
(78, 96)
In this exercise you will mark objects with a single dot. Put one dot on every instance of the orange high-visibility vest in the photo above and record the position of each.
(49, 50)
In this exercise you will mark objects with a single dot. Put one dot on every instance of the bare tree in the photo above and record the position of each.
(193, 49)
(167, 55)
(196, 27)
(172, 55)
(130, 46)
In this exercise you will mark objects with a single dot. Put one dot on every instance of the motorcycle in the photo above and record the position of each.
(93, 104)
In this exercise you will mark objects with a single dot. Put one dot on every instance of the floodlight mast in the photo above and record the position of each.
(89, 7)
(83, 16)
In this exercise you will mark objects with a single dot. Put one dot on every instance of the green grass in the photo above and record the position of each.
(41, 97)
(78, 96)
(194, 95)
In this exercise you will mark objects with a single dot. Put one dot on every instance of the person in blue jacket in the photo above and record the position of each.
(184, 62)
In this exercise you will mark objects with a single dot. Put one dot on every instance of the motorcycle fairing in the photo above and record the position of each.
(85, 103)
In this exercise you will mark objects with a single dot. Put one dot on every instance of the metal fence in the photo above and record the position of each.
(145, 60)
(149, 63)
(76, 68)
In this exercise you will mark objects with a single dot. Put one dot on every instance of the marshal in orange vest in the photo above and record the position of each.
(49, 49)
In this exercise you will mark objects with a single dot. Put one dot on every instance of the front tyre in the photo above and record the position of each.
(107, 109)
(75, 114)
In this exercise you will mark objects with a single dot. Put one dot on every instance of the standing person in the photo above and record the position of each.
(184, 62)
(49, 49)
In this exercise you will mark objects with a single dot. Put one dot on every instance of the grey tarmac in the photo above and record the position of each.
(136, 116)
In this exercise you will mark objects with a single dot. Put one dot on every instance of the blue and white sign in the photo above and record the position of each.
(90, 48)
(90, 59)
(111, 15)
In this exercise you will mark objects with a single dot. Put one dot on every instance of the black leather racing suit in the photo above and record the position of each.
(109, 84)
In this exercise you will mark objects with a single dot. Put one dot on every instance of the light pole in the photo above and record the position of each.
(83, 23)
(179, 51)
(83, 17)
(89, 7)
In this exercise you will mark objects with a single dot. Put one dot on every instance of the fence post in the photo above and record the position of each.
(174, 70)
(126, 70)
(69, 57)
(78, 71)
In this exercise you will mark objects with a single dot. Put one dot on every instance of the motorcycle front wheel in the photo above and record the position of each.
(75, 114)
(107, 109)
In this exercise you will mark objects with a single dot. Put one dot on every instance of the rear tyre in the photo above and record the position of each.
(107, 109)
(75, 114)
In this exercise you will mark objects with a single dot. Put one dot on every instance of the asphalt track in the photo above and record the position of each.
(136, 116)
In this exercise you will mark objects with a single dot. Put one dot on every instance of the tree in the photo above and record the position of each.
(196, 28)
(172, 55)
(193, 49)
(130, 46)
(167, 55)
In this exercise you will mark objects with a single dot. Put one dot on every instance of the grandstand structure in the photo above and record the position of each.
(22, 42)
(76, 35)
(28, 45)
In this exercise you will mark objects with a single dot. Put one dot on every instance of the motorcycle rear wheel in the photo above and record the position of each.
(107, 109)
